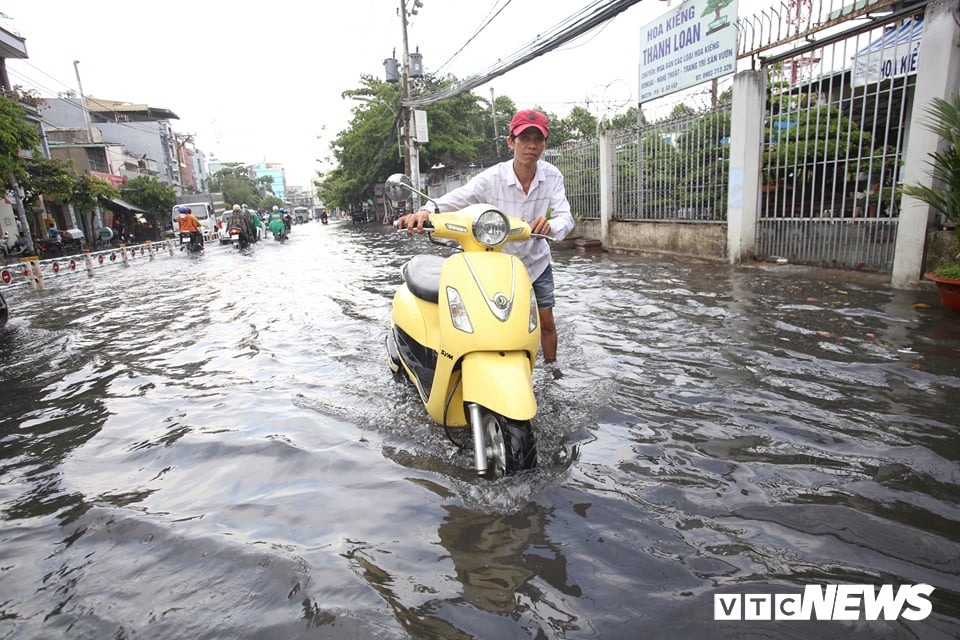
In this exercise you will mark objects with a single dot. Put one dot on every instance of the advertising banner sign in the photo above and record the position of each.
(688, 45)
(893, 55)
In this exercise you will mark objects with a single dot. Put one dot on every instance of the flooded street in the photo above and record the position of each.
(214, 447)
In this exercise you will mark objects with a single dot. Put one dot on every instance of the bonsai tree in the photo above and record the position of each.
(944, 163)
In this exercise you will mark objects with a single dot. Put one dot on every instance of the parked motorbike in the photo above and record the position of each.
(72, 240)
(190, 242)
(49, 246)
(19, 247)
(465, 330)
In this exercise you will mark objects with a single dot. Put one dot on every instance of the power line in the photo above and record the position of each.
(540, 45)
(72, 102)
(484, 24)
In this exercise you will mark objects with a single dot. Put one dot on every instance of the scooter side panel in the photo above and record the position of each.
(416, 316)
(501, 382)
(418, 321)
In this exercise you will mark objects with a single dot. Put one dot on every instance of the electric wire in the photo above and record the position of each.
(562, 33)
(71, 101)
(484, 24)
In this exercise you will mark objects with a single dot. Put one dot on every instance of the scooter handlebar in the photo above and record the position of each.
(426, 225)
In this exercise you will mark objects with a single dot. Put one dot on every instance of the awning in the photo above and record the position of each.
(110, 203)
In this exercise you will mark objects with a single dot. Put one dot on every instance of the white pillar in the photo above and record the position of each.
(746, 144)
(607, 185)
(938, 75)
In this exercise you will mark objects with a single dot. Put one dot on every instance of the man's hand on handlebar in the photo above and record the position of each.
(540, 226)
(413, 221)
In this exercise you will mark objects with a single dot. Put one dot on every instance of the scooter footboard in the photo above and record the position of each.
(500, 381)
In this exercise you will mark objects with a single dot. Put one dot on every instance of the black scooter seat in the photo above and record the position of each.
(422, 275)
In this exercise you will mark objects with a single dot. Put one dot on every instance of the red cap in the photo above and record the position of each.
(527, 118)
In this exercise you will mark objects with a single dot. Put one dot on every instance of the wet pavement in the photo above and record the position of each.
(214, 447)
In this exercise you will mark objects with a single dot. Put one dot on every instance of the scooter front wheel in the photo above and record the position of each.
(510, 446)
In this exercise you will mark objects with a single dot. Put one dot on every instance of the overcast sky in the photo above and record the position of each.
(262, 81)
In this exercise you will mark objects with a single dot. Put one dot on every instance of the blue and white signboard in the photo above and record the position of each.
(688, 45)
(893, 55)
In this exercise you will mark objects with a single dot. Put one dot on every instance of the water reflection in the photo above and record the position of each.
(227, 455)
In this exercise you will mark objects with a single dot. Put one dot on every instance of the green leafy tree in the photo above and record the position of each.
(623, 121)
(681, 110)
(151, 195)
(87, 190)
(579, 124)
(16, 137)
(271, 201)
(237, 186)
(658, 185)
(265, 184)
(803, 139)
(46, 177)
(461, 132)
(705, 155)
(86, 194)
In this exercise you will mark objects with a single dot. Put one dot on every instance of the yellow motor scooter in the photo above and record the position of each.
(465, 330)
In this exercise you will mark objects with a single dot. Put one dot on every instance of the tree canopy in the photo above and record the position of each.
(16, 135)
(463, 129)
(238, 187)
(151, 195)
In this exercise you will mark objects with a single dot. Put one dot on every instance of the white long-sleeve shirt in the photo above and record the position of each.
(498, 185)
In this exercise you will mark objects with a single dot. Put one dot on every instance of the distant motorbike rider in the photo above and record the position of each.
(278, 228)
(243, 221)
(189, 223)
(257, 223)
(287, 219)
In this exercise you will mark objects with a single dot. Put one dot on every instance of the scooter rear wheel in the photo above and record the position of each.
(510, 445)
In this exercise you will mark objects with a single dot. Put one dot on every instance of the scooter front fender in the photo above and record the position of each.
(500, 381)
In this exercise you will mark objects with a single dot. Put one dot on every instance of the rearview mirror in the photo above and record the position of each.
(397, 187)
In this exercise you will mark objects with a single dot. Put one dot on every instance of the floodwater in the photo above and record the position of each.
(214, 447)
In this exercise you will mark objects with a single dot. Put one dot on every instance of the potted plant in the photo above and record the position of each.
(945, 197)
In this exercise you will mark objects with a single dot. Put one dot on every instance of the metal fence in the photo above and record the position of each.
(580, 165)
(681, 174)
(33, 272)
(835, 128)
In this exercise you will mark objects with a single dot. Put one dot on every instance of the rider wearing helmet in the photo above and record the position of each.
(188, 222)
(244, 221)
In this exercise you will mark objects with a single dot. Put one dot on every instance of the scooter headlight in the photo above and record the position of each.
(534, 312)
(491, 228)
(458, 312)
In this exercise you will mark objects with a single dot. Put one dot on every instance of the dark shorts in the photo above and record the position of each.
(543, 289)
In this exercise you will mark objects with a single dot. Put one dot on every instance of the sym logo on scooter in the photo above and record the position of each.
(448, 356)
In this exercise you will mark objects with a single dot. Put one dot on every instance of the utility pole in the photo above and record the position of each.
(83, 102)
(412, 157)
(493, 113)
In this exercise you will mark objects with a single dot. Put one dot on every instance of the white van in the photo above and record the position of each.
(204, 213)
